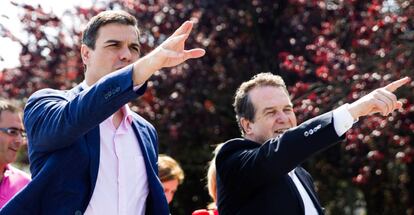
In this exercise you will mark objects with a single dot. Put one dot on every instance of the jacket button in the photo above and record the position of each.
(78, 212)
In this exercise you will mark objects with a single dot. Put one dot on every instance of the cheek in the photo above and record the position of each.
(3, 144)
(104, 58)
(135, 56)
(270, 123)
(107, 59)
(293, 120)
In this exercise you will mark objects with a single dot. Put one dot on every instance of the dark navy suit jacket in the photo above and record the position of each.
(64, 147)
(252, 178)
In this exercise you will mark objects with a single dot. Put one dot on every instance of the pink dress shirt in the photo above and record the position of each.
(122, 185)
(13, 181)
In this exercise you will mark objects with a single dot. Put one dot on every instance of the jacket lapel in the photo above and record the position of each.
(147, 150)
(296, 192)
(310, 190)
(93, 142)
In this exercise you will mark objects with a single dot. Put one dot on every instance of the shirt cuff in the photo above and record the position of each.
(342, 119)
(136, 88)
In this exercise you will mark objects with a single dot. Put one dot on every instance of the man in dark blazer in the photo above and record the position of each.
(260, 173)
(89, 153)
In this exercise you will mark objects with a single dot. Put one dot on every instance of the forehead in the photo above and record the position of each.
(171, 184)
(119, 32)
(269, 96)
(10, 119)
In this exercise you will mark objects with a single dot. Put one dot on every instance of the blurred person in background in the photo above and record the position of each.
(89, 152)
(211, 186)
(171, 175)
(260, 173)
(12, 136)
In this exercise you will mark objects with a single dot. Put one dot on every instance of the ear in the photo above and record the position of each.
(85, 54)
(246, 125)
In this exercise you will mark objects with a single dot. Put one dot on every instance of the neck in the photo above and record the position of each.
(3, 169)
(89, 80)
(247, 137)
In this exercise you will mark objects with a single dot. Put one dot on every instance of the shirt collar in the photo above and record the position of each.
(127, 113)
(7, 171)
(84, 85)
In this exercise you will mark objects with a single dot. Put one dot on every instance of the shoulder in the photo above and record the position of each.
(48, 92)
(238, 144)
(49, 95)
(45, 97)
(232, 149)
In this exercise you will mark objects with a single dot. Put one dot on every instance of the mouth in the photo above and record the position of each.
(280, 131)
(13, 149)
(121, 66)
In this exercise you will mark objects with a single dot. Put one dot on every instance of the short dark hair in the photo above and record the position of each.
(6, 105)
(90, 33)
(243, 105)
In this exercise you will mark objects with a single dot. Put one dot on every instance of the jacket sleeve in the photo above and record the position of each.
(55, 119)
(243, 166)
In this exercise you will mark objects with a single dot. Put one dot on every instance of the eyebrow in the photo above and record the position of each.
(112, 41)
(271, 108)
(117, 41)
(135, 45)
(20, 129)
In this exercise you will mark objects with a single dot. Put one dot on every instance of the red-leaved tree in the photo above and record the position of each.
(329, 53)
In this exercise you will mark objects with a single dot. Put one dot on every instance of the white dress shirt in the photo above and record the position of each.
(342, 121)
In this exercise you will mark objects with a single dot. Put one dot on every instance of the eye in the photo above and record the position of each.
(13, 131)
(112, 45)
(135, 49)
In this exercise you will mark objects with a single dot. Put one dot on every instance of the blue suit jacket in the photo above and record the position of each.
(253, 178)
(64, 146)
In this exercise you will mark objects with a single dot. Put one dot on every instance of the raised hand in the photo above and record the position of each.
(381, 100)
(170, 53)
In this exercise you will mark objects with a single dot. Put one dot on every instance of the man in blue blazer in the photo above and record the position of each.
(260, 173)
(89, 153)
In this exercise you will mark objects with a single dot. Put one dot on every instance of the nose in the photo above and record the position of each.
(282, 117)
(17, 141)
(20, 139)
(125, 54)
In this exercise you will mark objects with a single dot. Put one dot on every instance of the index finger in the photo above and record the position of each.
(397, 84)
